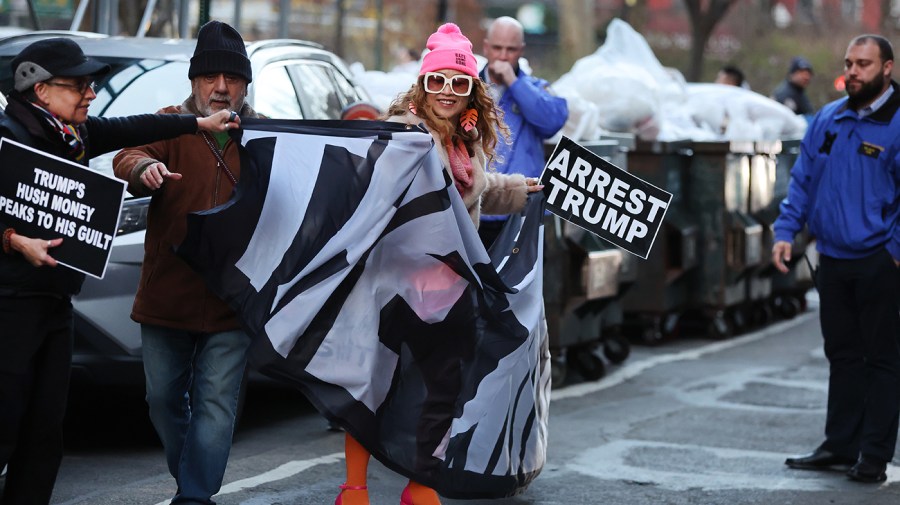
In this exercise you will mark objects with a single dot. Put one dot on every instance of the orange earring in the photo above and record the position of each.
(412, 107)
(468, 119)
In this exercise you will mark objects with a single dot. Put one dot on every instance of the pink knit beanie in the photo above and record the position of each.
(449, 49)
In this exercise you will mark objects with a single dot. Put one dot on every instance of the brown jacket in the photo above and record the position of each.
(170, 293)
(491, 192)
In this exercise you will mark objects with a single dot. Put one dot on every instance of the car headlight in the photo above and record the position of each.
(133, 216)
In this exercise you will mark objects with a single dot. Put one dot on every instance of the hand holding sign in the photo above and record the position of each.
(534, 185)
(605, 200)
(35, 250)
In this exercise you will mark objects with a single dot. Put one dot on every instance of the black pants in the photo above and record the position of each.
(35, 357)
(860, 321)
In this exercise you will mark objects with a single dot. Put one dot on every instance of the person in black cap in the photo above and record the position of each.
(48, 110)
(792, 90)
(193, 347)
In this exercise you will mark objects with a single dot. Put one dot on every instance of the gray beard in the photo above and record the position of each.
(206, 110)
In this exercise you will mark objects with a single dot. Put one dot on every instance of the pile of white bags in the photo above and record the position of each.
(383, 87)
(622, 87)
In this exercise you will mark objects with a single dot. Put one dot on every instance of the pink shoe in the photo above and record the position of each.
(344, 487)
(405, 498)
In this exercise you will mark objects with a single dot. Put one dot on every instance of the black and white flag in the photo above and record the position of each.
(350, 257)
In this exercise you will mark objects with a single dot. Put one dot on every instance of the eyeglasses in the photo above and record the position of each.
(229, 78)
(460, 85)
(80, 88)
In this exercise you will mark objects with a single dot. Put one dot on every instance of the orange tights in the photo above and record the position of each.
(357, 467)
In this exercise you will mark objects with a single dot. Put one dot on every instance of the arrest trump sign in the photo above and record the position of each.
(588, 191)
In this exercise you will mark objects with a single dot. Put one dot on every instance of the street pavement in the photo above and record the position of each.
(691, 421)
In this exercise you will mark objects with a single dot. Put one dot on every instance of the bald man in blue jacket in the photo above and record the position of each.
(532, 112)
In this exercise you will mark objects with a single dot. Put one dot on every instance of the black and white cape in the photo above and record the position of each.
(350, 258)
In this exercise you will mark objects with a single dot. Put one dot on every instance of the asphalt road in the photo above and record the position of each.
(689, 422)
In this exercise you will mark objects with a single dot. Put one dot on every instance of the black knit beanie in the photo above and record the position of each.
(220, 49)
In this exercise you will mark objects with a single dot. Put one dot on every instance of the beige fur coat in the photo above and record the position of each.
(491, 192)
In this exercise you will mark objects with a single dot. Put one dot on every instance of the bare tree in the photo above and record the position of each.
(129, 15)
(704, 16)
(888, 22)
(763, 21)
(576, 30)
(162, 22)
(341, 13)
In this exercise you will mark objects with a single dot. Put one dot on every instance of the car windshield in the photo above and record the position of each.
(137, 87)
(140, 86)
(133, 86)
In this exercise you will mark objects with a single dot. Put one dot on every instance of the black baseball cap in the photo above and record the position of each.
(55, 57)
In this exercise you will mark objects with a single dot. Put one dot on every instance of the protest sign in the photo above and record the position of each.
(44, 196)
(587, 190)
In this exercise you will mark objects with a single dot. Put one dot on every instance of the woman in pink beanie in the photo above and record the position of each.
(457, 108)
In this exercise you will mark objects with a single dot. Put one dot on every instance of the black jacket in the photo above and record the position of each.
(23, 123)
(793, 97)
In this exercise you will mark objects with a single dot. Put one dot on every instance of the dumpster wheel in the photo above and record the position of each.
(719, 326)
(655, 329)
(587, 361)
(616, 348)
(788, 306)
(762, 313)
(739, 318)
(651, 335)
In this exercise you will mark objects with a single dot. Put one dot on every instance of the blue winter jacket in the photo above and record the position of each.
(846, 183)
(532, 114)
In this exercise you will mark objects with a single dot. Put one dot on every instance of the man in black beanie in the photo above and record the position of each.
(194, 350)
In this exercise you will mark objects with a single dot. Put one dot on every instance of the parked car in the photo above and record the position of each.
(292, 79)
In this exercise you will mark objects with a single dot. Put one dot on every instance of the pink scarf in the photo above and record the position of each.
(460, 166)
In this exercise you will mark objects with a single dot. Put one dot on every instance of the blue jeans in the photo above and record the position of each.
(193, 381)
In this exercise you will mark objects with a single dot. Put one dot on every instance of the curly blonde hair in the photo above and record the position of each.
(490, 117)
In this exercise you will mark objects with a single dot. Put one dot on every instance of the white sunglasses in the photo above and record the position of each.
(460, 85)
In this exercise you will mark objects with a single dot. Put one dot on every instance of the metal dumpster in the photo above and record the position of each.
(788, 296)
(661, 291)
(760, 202)
(730, 239)
(583, 278)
